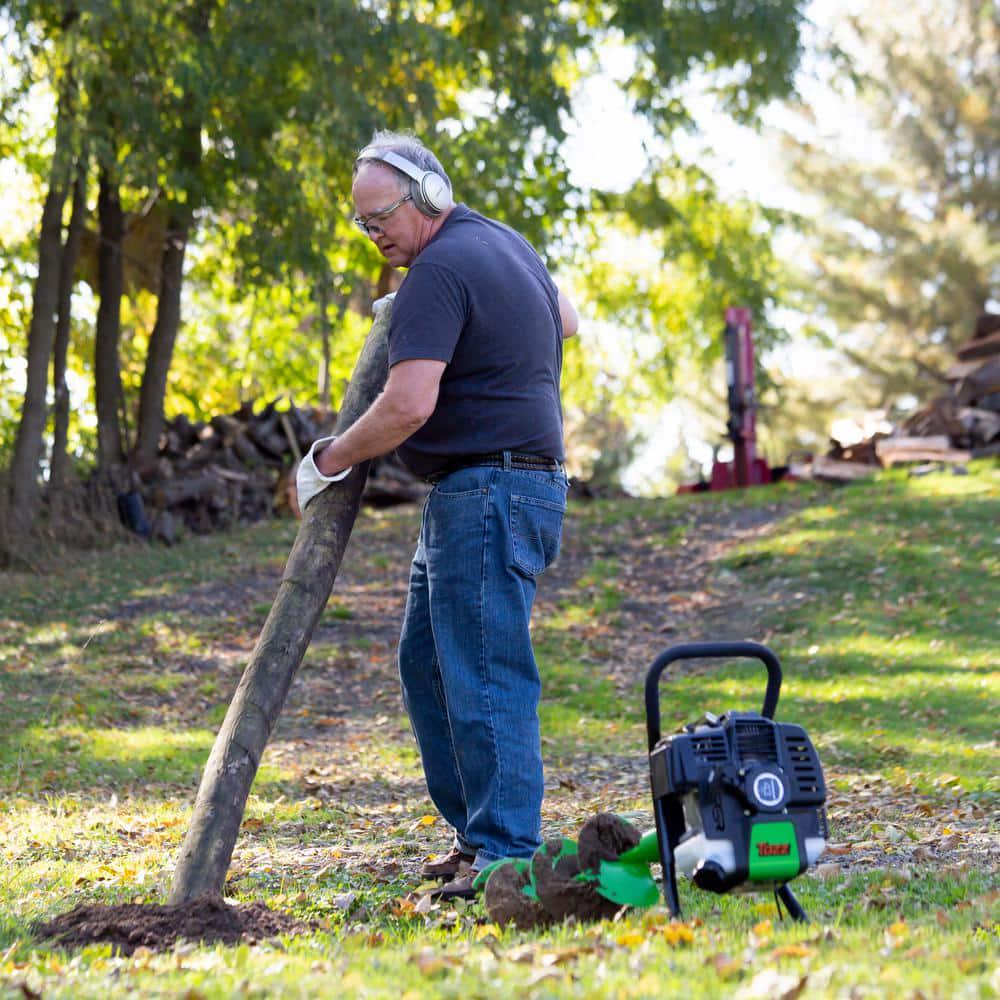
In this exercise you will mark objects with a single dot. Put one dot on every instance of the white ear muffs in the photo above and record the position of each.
(431, 193)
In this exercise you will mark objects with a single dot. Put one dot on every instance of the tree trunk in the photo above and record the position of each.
(67, 273)
(107, 338)
(25, 494)
(161, 341)
(304, 590)
(180, 220)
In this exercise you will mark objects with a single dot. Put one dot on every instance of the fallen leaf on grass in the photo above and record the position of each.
(676, 933)
(563, 955)
(424, 905)
(430, 962)
(761, 933)
(773, 985)
(726, 967)
(865, 845)
(522, 953)
(895, 935)
(792, 951)
(631, 939)
(838, 848)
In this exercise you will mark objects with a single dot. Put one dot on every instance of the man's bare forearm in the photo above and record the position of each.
(403, 407)
(377, 432)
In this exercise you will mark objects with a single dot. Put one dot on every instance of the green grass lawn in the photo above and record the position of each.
(882, 600)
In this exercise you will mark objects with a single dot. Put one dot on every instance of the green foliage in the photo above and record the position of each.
(711, 254)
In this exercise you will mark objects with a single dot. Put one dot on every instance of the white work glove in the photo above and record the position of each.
(309, 480)
(379, 304)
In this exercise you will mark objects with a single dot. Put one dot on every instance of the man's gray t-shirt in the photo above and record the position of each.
(479, 298)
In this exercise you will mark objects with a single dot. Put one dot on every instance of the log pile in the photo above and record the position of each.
(960, 424)
(239, 467)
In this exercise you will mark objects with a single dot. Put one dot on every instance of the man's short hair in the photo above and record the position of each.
(408, 146)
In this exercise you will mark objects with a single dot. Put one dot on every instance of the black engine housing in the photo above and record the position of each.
(746, 795)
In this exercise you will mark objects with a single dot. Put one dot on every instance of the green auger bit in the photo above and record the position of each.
(626, 881)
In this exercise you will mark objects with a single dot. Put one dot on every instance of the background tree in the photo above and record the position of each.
(28, 444)
(904, 249)
(59, 462)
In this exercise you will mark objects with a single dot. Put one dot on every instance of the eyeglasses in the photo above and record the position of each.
(377, 230)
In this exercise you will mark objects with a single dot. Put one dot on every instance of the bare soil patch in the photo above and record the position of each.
(128, 926)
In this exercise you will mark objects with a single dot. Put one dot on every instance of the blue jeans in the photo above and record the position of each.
(469, 677)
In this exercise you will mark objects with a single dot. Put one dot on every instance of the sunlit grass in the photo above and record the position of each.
(880, 601)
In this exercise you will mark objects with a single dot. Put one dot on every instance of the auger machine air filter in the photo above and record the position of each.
(738, 798)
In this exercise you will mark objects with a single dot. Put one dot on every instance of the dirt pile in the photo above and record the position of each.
(128, 926)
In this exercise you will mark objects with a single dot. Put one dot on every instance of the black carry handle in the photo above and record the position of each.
(701, 651)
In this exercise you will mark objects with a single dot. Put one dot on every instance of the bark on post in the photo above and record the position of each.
(304, 590)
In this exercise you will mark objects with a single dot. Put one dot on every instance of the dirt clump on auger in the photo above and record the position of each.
(128, 926)
(605, 837)
(563, 879)
(507, 902)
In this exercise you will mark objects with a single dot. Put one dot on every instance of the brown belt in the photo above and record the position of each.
(497, 460)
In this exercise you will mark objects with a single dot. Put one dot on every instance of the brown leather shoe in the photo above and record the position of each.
(457, 888)
(453, 863)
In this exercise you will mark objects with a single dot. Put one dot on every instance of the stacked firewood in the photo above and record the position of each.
(960, 424)
(240, 467)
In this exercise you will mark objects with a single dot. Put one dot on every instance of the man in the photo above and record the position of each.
(472, 405)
